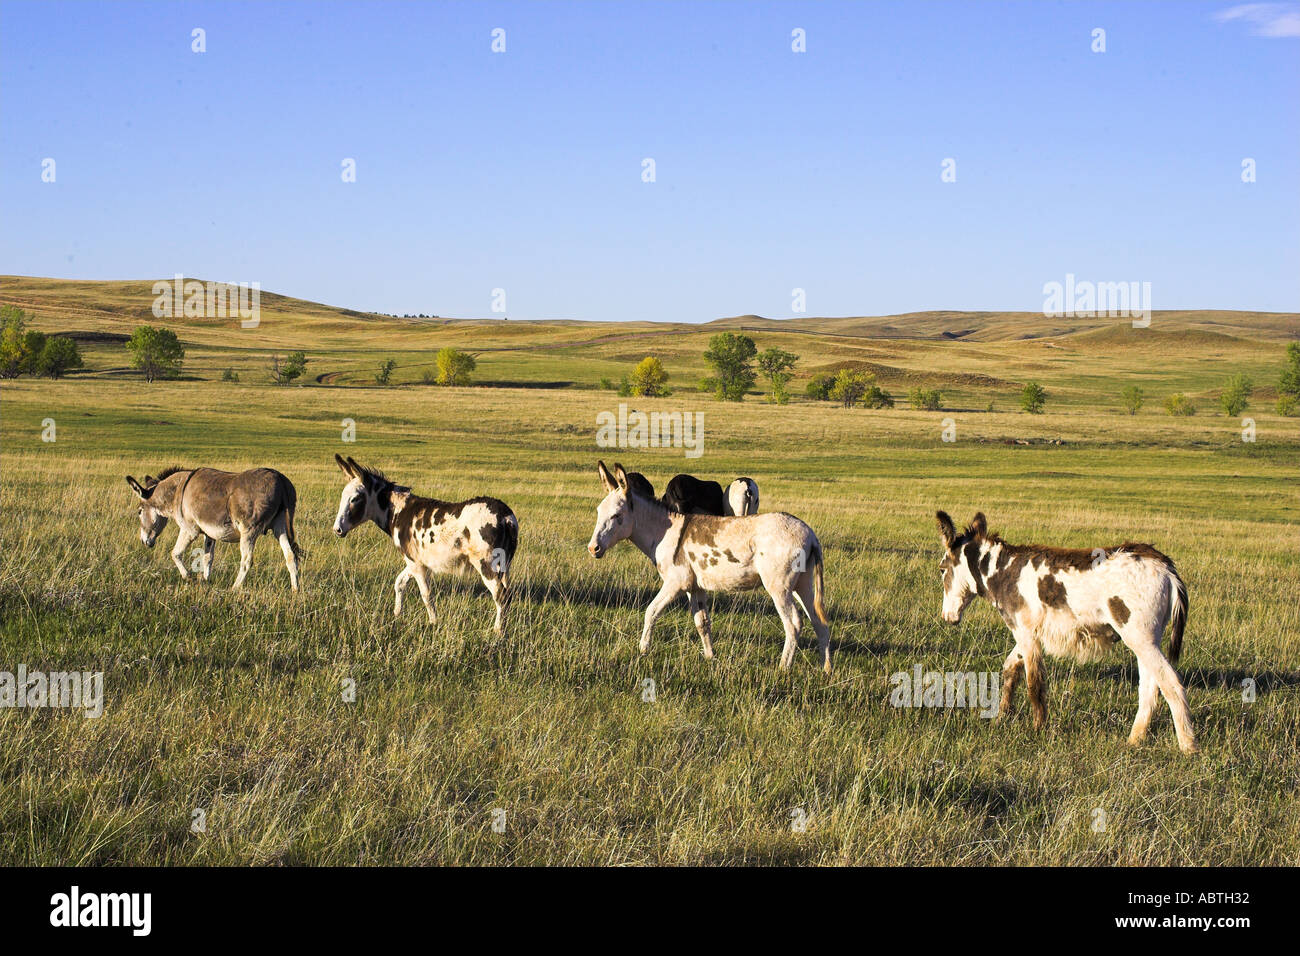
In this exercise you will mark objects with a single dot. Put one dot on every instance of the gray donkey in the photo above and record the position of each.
(221, 506)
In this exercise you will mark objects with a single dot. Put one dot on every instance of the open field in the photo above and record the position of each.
(233, 704)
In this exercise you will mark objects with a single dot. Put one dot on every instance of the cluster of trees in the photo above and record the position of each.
(1235, 395)
(25, 351)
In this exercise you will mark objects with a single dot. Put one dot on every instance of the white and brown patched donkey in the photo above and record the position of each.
(434, 537)
(695, 554)
(1073, 603)
(221, 506)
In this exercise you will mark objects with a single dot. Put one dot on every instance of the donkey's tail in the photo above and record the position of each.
(509, 543)
(1178, 614)
(819, 588)
(290, 505)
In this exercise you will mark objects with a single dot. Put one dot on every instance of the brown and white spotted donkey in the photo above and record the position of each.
(1073, 603)
(695, 554)
(435, 537)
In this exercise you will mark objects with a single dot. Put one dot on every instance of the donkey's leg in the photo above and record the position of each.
(399, 585)
(785, 607)
(1013, 668)
(421, 575)
(185, 534)
(495, 581)
(806, 591)
(246, 542)
(281, 528)
(699, 599)
(667, 594)
(1148, 694)
(1035, 680)
(1162, 672)
(209, 548)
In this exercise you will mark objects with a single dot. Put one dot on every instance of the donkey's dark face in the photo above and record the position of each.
(362, 498)
(959, 585)
(613, 514)
(152, 521)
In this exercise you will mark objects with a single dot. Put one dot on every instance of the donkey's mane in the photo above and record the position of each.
(168, 472)
(374, 473)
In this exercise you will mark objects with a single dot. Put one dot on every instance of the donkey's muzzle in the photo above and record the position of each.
(596, 550)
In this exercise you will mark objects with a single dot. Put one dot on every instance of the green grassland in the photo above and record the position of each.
(233, 702)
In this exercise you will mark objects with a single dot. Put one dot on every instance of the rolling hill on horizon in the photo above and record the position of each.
(113, 302)
(976, 358)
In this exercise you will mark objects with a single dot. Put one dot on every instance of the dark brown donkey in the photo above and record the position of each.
(221, 506)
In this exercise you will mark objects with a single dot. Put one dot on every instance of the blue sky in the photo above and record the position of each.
(774, 170)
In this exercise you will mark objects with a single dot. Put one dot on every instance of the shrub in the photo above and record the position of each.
(385, 371)
(454, 366)
(1179, 404)
(58, 355)
(428, 376)
(156, 352)
(1236, 395)
(294, 366)
(1289, 383)
(850, 385)
(1288, 405)
(229, 375)
(925, 399)
(819, 387)
(877, 397)
(1132, 397)
(648, 378)
(1032, 398)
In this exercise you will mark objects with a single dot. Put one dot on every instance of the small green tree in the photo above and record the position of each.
(850, 385)
(293, 366)
(1179, 404)
(1236, 394)
(649, 378)
(58, 355)
(156, 352)
(925, 399)
(776, 364)
(819, 387)
(454, 366)
(1132, 397)
(1032, 398)
(385, 371)
(15, 356)
(730, 355)
(1288, 386)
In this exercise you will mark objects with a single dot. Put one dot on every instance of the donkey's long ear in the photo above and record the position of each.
(946, 527)
(621, 475)
(140, 491)
(359, 472)
(979, 525)
(343, 465)
(606, 478)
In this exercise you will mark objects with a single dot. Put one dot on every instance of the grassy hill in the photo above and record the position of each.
(974, 357)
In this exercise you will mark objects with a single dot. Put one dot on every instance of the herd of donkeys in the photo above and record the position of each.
(703, 538)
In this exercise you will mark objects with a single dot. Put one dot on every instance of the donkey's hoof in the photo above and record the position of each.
(1190, 748)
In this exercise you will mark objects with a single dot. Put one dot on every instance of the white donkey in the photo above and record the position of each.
(1073, 603)
(695, 554)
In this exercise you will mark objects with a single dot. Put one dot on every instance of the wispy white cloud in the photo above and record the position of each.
(1265, 19)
